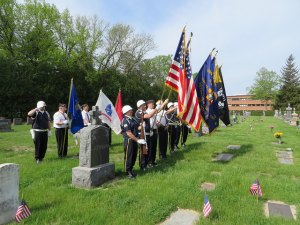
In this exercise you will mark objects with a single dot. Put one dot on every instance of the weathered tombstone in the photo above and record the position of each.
(288, 113)
(233, 147)
(5, 125)
(224, 157)
(294, 119)
(182, 216)
(29, 120)
(17, 121)
(285, 157)
(94, 168)
(95, 115)
(208, 186)
(9, 191)
(276, 113)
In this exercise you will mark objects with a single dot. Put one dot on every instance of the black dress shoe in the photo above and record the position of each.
(130, 175)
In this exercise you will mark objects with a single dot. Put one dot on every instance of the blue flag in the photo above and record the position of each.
(207, 94)
(75, 111)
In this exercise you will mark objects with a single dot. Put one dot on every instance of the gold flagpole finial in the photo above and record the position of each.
(212, 51)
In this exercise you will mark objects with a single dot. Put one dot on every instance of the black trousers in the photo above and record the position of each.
(130, 154)
(40, 144)
(62, 141)
(153, 147)
(172, 137)
(178, 132)
(185, 132)
(162, 141)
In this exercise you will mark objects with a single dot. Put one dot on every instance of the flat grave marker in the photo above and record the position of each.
(182, 217)
(280, 209)
(233, 147)
(224, 157)
(208, 186)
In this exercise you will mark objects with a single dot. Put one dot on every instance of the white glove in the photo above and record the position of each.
(89, 124)
(49, 133)
(65, 122)
(157, 107)
(141, 141)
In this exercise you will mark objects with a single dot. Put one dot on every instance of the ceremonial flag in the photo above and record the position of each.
(75, 110)
(22, 211)
(108, 113)
(222, 98)
(188, 105)
(206, 93)
(207, 207)
(255, 188)
(176, 67)
(118, 105)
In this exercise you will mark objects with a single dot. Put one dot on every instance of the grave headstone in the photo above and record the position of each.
(5, 125)
(276, 113)
(294, 119)
(208, 186)
(9, 191)
(95, 115)
(29, 120)
(182, 217)
(285, 157)
(233, 147)
(94, 168)
(288, 113)
(224, 157)
(17, 121)
(279, 209)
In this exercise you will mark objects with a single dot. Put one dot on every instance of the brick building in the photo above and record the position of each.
(245, 102)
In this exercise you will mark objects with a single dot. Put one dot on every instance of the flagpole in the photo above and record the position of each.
(65, 133)
(257, 190)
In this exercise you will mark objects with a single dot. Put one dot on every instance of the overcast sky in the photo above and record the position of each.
(248, 34)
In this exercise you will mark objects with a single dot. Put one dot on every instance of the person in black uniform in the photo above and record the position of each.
(41, 128)
(185, 132)
(129, 126)
(172, 122)
(141, 104)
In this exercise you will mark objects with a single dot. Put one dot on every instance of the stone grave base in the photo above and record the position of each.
(182, 216)
(92, 177)
(208, 186)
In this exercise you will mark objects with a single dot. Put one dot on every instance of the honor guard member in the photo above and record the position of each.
(178, 129)
(141, 104)
(172, 122)
(129, 126)
(161, 123)
(185, 131)
(41, 128)
(153, 129)
(60, 123)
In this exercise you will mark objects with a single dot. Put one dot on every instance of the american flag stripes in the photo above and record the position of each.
(255, 188)
(180, 79)
(22, 211)
(176, 68)
(207, 207)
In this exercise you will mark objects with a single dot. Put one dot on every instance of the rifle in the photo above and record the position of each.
(144, 149)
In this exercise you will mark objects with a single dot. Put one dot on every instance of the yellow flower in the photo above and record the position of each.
(278, 134)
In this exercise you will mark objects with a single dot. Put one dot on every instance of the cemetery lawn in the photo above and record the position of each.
(175, 183)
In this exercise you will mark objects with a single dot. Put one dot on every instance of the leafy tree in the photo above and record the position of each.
(289, 91)
(265, 85)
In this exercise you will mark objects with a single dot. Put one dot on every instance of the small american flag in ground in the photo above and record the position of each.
(22, 211)
(207, 207)
(255, 188)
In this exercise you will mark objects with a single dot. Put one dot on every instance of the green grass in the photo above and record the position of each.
(154, 194)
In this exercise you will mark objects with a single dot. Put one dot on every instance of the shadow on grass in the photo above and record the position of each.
(45, 206)
(236, 153)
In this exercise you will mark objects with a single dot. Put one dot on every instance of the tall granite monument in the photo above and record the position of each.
(94, 167)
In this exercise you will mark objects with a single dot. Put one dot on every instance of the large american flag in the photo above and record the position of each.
(255, 188)
(207, 207)
(22, 211)
(180, 79)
